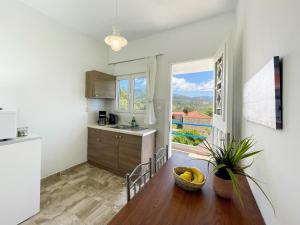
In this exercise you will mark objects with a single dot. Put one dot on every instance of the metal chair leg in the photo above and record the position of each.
(128, 187)
(150, 167)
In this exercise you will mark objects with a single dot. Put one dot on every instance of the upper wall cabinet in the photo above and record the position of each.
(100, 85)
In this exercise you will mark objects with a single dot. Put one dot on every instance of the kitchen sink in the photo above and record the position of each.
(121, 127)
(128, 127)
(138, 128)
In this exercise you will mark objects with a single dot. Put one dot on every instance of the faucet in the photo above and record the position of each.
(132, 123)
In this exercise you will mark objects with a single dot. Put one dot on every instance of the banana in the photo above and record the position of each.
(187, 175)
(198, 176)
(195, 177)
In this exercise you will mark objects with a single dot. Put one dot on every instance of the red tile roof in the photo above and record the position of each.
(192, 115)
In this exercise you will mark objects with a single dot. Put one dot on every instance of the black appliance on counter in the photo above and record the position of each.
(102, 118)
(113, 119)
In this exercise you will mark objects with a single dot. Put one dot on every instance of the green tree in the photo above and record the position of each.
(208, 111)
(123, 101)
(186, 139)
(186, 110)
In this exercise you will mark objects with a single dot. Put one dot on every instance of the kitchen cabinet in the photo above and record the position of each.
(130, 149)
(102, 148)
(118, 152)
(100, 85)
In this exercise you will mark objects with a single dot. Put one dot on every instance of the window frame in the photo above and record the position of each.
(131, 87)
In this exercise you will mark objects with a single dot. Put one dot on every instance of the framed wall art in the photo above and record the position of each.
(262, 97)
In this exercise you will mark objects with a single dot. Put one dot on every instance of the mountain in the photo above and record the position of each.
(204, 100)
(201, 104)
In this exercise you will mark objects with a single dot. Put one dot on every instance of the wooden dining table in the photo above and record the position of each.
(161, 202)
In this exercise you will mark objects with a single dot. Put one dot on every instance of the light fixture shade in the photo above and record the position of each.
(115, 40)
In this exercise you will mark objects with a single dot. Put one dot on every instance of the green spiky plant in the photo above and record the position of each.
(227, 162)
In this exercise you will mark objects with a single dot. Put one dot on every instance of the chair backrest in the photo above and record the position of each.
(138, 178)
(160, 157)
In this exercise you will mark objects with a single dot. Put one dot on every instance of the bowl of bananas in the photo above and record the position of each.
(189, 179)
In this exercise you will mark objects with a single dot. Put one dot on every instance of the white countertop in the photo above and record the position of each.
(124, 131)
(20, 139)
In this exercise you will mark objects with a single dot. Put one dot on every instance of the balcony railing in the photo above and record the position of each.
(190, 124)
(193, 124)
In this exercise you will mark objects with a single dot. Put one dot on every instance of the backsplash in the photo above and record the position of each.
(125, 118)
(108, 105)
(96, 105)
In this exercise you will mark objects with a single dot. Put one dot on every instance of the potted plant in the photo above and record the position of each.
(227, 166)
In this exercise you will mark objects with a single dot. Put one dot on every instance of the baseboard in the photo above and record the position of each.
(58, 174)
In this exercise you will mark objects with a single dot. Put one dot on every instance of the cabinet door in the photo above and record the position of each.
(104, 88)
(130, 147)
(100, 85)
(103, 148)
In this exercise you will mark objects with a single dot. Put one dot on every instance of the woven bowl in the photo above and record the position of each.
(185, 185)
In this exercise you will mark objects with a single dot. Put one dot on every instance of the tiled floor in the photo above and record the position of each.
(84, 195)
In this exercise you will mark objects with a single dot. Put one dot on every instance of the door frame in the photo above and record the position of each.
(227, 44)
(223, 124)
(169, 122)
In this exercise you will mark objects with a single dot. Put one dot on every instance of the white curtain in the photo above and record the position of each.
(151, 71)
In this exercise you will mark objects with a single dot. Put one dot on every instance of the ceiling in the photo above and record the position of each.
(137, 18)
(196, 66)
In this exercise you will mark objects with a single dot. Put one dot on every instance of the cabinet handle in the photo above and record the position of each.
(120, 137)
(117, 136)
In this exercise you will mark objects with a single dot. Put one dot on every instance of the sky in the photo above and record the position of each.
(124, 85)
(139, 84)
(188, 84)
(193, 84)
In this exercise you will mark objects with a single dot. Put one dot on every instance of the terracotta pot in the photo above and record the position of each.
(222, 187)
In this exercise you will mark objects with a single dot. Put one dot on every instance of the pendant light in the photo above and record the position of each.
(115, 40)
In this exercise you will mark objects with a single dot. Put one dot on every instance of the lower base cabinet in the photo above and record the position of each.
(117, 152)
(103, 149)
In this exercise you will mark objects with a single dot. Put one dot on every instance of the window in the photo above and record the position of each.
(139, 95)
(131, 93)
(123, 95)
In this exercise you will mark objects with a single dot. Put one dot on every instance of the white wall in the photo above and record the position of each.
(196, 41)
(42, 74)
(265, 29)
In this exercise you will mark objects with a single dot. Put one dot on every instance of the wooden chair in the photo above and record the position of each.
(160, 157)
(138, 178)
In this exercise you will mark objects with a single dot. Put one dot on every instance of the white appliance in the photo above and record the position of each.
(8, 124)
(20, 177)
